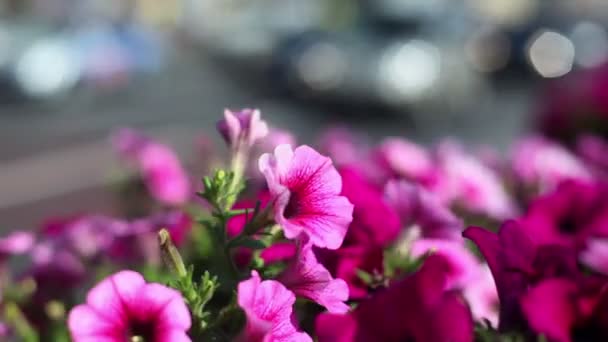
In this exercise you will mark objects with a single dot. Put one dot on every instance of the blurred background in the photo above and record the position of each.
(71, 71)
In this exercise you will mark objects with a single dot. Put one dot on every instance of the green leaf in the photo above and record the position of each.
(366, 277)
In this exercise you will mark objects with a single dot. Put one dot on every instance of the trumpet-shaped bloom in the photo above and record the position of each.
(574, 212)
(124, 306)
(268, 306)
(305, 192)
(160, 168)
(306, 277)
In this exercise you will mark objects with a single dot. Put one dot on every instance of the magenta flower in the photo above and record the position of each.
(268, 306)
(571, 214)
(124, 306)
(160, 168)
(565, 310)
(242, 129)
(539, 162)
(279, 252)
(374, 220)
(306, 277)
(305, 192)
(466, 274)
(418, 308)
(345, 262)
(421, 208)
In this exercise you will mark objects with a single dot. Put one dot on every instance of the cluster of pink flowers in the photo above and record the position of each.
(344, 241)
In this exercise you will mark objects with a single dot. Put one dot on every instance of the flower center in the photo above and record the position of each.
(293, 206)
(567, 225)
(141, 331)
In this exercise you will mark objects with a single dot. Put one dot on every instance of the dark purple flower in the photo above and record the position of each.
(518, 262)
(418, 308)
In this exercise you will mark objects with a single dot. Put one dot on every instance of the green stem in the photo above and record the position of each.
(16, 318)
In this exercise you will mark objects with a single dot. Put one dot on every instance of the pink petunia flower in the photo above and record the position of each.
(406, 159)
(124, 306)
(268, 306)
(465, 180)
(305, 191)
(159, 166)
(537, 161)
(18, 242)
(595, 255)
(306, 277)
(241, 129)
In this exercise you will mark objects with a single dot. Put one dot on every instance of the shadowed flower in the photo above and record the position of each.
(418, 308)
(160, 168)
(306, 277)
(123, 306)
(268, 306)
(304, 188)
